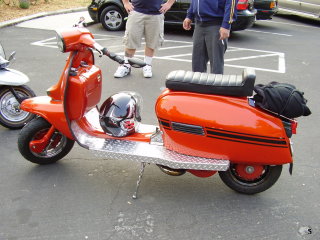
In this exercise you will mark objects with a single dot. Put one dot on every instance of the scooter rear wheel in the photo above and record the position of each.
(58, 146)
(11, 116)
(250, 179)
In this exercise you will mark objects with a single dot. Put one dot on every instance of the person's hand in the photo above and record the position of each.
(224, 33)
(187, 24)
(165, 7)
(128, 6)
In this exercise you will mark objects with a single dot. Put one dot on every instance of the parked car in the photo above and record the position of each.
(307, 8)
(111, 14)
(265, 8)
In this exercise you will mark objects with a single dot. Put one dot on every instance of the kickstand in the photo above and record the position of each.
(142, 166)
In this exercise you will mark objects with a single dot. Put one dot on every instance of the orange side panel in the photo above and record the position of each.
(221, 127)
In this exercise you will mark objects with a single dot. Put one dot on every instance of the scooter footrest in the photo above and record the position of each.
(146, 152)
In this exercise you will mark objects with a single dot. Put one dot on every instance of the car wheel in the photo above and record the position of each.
(112, 18)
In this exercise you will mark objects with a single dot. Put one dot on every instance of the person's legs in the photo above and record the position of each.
(132, 40)
(148, 52)
(128, 53)
(199, 51)
(153, 33)
(134, 30)
(147, 70)
(125, 69)
(215, 48)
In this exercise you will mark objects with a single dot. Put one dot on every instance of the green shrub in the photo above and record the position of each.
(24, 4)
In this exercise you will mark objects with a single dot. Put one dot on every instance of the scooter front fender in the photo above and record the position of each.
(50, 110)
(11, 77)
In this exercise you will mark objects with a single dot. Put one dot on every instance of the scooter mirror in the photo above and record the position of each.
(136, 62)
(81, 23)
(12, 56)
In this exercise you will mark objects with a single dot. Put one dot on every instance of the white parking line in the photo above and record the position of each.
(178, 55)
(273, 33)
(185, 51)
(46, 43)
(293, 24)
(249, 57)
(281, 65)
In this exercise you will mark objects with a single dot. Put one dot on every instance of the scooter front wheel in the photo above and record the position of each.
(250, 179)
(11, 116)
(56, 148)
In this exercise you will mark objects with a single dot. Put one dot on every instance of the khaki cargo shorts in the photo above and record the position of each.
(149, 26)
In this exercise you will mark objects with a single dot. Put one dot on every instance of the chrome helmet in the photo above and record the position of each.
(120, 114)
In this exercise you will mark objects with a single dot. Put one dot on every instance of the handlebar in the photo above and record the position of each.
(137, 63)
(134, 62)
(113, 56)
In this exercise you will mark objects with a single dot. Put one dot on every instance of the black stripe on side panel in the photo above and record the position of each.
(245, 138)
(165, 123)
(244, 134)
(233, 140)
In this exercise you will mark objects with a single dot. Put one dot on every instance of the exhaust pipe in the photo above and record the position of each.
(171, 172)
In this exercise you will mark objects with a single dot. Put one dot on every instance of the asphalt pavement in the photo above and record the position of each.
(85, 197)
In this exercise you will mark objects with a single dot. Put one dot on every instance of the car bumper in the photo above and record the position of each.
(265, 14)
(93, 12)
(245, 19)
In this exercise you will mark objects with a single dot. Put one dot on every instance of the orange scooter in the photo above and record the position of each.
(207, 123)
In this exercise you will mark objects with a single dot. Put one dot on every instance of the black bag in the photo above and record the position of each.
(281, 98)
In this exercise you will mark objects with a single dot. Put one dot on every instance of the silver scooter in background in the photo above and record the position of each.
(12, 92)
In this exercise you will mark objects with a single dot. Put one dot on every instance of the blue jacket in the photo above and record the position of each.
(209, 10)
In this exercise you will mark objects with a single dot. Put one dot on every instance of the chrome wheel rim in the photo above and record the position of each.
(10, 107)
(55, 146)
(113, 19)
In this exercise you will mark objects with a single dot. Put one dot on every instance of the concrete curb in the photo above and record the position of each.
(39, 15)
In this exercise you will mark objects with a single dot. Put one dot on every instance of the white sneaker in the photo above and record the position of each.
(123, 70)
(147, 71)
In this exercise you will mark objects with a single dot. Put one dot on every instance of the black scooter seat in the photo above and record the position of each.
(229, 85)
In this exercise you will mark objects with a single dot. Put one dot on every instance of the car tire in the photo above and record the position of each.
(112, 18)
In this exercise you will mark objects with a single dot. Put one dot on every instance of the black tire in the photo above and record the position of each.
(61, 145)
(10, 114)
(268, 177)
(112, 18)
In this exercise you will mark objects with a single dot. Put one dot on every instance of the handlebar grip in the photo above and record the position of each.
(116, 58)
(113, 56)
(105, 51)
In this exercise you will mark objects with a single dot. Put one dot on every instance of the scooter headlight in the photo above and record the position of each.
(60, 42)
